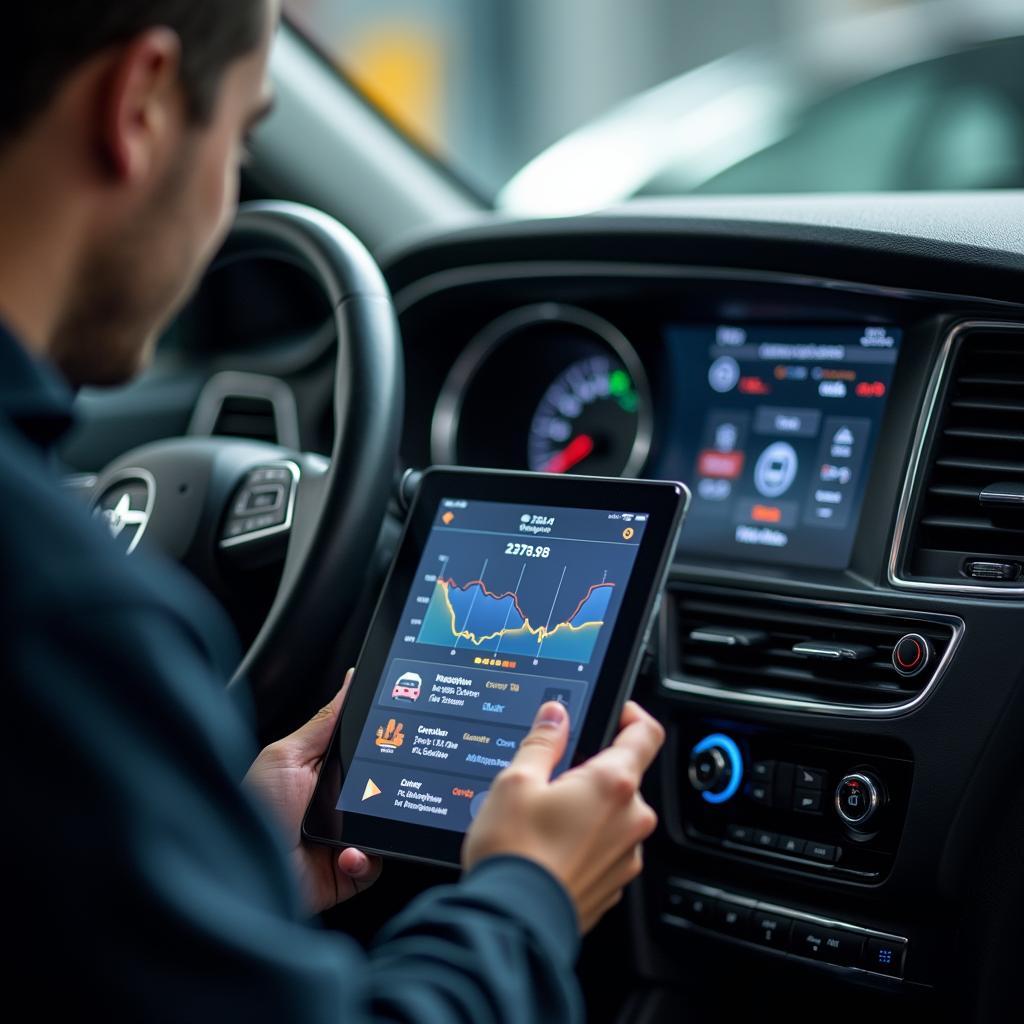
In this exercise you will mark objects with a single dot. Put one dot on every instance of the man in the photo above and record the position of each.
(144, 882)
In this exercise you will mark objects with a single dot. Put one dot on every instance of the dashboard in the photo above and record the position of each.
(774, 425)
(841, 383)
(835, 649)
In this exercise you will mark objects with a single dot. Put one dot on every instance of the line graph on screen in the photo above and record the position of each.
(472, 615)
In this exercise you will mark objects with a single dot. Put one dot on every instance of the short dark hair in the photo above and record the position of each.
(43, 41)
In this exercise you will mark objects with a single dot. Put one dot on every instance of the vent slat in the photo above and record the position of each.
(991, 382)
(1010, 408)
(982, 465)
(969, 523)
(977, 434)
(972, 493)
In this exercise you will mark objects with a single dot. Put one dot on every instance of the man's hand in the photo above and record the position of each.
(586, 827)
(282, 778)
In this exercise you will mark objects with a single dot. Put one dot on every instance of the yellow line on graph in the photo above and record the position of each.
(540, 633)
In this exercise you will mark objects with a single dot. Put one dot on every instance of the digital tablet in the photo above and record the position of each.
(508, 590)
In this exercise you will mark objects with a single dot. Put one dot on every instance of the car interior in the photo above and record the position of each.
(838, 378)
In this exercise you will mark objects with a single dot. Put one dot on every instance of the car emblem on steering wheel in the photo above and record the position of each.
(126, 506)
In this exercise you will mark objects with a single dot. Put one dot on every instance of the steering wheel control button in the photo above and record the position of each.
(858, 799)
(809, 778)
(808, 801)
(911, 655)
(272, 474)
(770, 929)
(716, 768)
(260, 498)
(885, 956)
(262, 505)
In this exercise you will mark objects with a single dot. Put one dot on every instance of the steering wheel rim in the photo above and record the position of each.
(337, 523)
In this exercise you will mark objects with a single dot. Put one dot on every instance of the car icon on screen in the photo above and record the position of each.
(407, 687)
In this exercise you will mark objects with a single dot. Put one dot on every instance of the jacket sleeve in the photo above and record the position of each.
(155, 889)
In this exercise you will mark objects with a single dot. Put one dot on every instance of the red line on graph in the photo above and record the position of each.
(515, 598)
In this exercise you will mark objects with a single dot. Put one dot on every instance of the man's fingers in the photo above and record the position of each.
(363, 869)
(623, 764)
(631, 712)
(310, 740)
(543, 746)
(641, 735)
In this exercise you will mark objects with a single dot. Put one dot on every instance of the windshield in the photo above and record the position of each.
(564, 106)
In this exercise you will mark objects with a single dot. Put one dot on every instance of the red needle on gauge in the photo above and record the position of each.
(571, 455)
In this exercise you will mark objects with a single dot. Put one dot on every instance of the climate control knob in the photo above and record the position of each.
(859, 797)
(716, 768)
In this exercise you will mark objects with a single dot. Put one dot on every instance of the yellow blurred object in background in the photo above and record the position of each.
(400, 68)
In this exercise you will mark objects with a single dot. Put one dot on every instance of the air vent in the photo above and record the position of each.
(825, 656)
(969, 526)
(246, 416)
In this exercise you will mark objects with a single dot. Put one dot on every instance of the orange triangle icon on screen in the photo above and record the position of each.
(372, 789)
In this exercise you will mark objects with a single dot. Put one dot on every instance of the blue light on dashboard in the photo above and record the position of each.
(732, 752)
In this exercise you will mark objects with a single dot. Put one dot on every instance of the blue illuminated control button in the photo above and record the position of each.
(884, 956)
(716, 768)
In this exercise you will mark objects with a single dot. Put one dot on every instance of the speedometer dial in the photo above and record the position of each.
(587, 421)
(549, 387)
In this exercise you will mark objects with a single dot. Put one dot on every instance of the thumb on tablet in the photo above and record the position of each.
(543, 746)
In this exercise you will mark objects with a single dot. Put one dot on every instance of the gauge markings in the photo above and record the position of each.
(587, 420)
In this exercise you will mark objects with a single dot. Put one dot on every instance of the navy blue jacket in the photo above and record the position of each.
(142, 883)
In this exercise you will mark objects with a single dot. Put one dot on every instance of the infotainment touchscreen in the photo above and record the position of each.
(775, 428)
(510, 590)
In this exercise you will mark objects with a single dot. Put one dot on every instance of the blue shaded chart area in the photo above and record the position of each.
(472, 615)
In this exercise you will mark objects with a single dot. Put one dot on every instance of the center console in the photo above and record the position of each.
(821, 806)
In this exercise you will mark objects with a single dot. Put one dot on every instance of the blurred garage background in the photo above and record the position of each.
(553, 106)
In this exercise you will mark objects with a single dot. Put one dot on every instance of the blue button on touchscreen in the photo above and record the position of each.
(511, 606)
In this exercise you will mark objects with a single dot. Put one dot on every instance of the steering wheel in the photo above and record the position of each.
(201, 499)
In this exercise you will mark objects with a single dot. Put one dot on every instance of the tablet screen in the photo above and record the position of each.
(510, 606)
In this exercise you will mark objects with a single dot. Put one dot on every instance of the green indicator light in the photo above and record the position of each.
(628, 402)
(619, 383)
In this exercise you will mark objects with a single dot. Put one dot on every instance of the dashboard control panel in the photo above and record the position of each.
(784, 930)
(825, 807)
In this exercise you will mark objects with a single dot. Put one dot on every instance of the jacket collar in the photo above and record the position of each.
(33, 396)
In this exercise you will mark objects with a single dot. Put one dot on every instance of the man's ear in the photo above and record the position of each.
(143, 104)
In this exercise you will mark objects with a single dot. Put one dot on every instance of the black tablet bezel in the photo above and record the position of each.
(665, 504)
